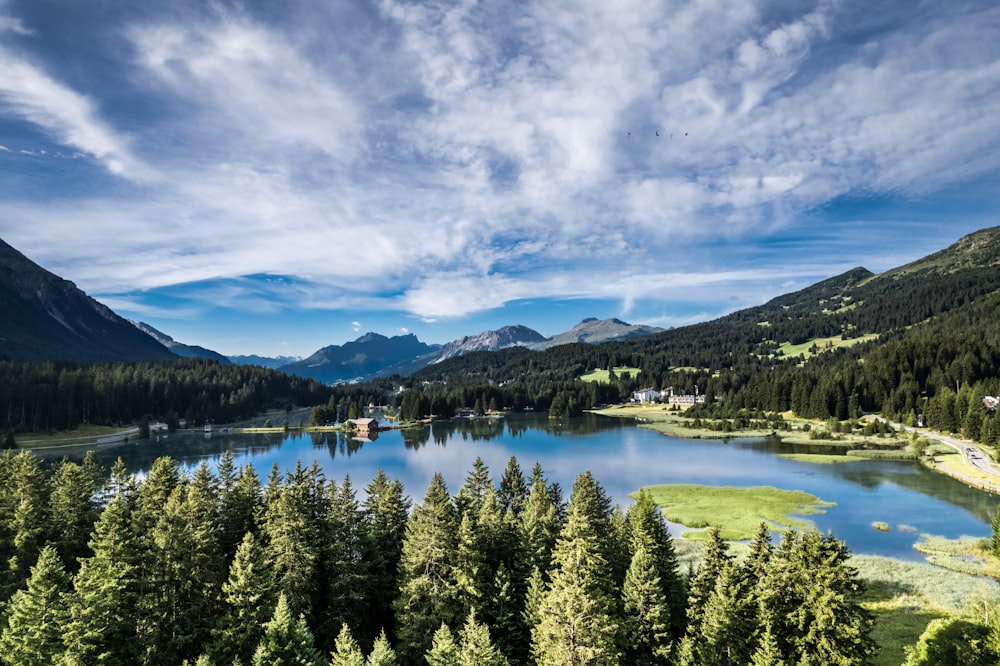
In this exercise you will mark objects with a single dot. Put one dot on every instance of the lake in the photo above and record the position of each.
(622, 457)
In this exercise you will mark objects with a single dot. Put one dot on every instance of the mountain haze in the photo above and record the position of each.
(363, 358)
(595, 331)
(179, 348)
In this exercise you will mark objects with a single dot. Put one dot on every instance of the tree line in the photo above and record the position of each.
(62, 395)
(226, 568)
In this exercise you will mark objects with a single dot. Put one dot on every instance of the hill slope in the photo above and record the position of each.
(179, 348)
(48, 318)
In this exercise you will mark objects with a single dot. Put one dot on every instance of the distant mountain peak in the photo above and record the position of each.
(593, 330)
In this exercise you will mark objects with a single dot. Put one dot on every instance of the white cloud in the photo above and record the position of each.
(478, 154)
(28, 92)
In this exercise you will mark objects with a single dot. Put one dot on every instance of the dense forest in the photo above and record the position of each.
(227, 568)
(62, 395)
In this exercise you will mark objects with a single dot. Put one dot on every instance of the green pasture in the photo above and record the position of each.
(603, 376)
(737, 512)
(822, 344)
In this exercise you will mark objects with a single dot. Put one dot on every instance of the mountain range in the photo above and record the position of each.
(49, 318)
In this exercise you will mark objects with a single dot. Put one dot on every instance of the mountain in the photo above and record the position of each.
(48, 318)
(595, 331)
(272, 362)
(502, 338)
(951, 296)
(182, 350)
(362, 359)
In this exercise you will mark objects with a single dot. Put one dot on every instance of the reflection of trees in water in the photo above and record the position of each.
(512, 425)
(872, 473)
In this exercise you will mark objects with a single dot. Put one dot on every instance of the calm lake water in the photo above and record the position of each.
(623, 458)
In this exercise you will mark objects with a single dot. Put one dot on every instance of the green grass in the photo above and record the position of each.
(604, 377)
(822, 344)
(736, 511)
(904, 597)
(820, 458)
(966, 555)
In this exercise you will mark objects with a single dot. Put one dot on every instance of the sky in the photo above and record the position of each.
(271, 178)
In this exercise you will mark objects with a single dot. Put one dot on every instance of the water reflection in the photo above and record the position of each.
(622, 457)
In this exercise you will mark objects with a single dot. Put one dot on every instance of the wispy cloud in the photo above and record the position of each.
(448, 158)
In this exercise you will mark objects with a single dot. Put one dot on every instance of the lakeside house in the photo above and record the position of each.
(364, 426)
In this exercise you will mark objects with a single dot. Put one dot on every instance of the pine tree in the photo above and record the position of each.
(241, 503)
(294, 522)
(286, 640)
(768, 652)
(344, 565)
(249, 597)
(72, 510)
(444, 649)
(513, 491)
(577, 615)
(104, 606)
(382, 653)
(346, 652)
(645, 612)
(185, 573)
(703, 583)
(386, 510)
(427, 592)
(540, 523)
(476, 648)
(995, 539)
(648, 530)
(811, 599)
(35, 615)
(728, 621)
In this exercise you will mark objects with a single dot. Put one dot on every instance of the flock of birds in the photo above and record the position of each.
(657, 134)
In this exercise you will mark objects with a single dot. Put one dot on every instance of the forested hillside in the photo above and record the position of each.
(226, 569)
(921, 339)
(62, 395)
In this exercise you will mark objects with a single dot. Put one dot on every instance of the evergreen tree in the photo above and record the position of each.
(513, 491)
(810, 598)
(540, 523)
(427, 592)
(386, 510)
(241, 503)
(35, 615)
(646, 613)
(995, 538)
(768, 652)
(104, 608)
(344, 565)
(648, 530)
(294, 523)
(186, 572)
(476, 648)
(703, 583)
(286, 640)
(73, 511)
(577, 615)
(249, 598)
(346, 651)
(382, 653)
(728, 621)
(444, 649)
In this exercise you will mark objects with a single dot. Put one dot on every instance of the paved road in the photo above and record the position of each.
(971, 453)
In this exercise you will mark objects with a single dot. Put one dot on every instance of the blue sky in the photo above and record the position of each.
(270, 178)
